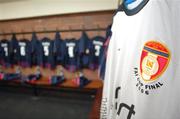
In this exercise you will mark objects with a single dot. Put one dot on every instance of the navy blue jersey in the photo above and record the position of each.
(48, 57)
(108, 31)
(5, 60)
(14, 50)
(24, 53)
(36, 51)
(85, 50)
(98, 43)
(103, 55)
(58, 50)
(71, 55)
(102, 66)
(1, 55)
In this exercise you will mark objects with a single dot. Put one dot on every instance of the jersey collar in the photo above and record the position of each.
(132, 7)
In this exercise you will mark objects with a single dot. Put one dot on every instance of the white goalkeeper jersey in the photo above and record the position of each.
(142, 79)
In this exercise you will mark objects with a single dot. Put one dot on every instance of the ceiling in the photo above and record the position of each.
(7, 1)
(16, 9)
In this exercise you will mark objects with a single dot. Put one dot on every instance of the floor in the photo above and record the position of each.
(18, 105)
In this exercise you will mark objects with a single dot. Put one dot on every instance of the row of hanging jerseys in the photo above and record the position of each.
(72, 54)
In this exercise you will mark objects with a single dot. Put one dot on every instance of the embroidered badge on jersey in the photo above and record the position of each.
(154, 61)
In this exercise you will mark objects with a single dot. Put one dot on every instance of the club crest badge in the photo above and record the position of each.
(154, 60)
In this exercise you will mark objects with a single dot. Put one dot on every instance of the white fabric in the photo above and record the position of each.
(135, 92)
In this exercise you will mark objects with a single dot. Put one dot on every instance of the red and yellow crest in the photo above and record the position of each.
(155, 58)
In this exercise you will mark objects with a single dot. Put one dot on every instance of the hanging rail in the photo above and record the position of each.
(52, 31)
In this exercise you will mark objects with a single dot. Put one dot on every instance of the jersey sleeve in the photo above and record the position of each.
(39, 53)
(14, 50)
(51, 59)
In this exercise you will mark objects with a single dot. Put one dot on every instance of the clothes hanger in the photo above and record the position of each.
(3, 36)
(70, 36)
(23, 35)
(120, 2)
(45, 32)
(98, 32)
